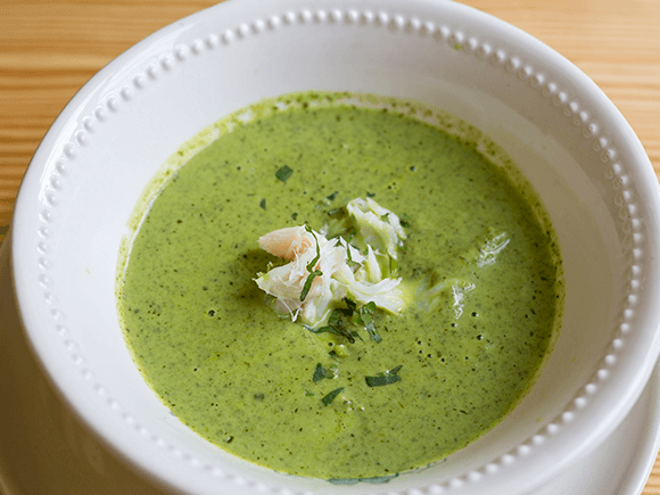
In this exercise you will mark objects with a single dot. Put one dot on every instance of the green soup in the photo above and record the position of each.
(243, 377)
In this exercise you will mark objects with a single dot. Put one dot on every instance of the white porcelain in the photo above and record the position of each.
(44, 447)
(574, 146)
(44, 444)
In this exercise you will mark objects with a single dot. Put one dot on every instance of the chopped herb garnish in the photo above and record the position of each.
(308, 393)
(262, 203)
(334, 211)
(386, 378)
(405, 221)
(336, 325)
(308, 283)
(350, 304)
(319, 373)
(335, 316)
(331, 396)
(370, 194)
(312, 264)
(284, 173)
(394, 267)
(365, 314)
(349, 256)
(339, 326)
(294, 216)
(324, 329)
(395, 370)
(333, 196)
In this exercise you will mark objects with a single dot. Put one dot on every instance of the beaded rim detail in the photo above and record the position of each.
(631, 231)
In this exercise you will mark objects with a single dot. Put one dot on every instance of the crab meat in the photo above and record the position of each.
(380, 228)
(287, 243)
(332, 277)
(286, 283)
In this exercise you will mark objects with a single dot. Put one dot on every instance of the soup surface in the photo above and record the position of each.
(246, 378)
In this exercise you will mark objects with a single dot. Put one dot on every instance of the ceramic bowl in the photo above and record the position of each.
(573, 145)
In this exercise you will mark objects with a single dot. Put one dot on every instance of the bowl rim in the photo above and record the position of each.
(23, 216)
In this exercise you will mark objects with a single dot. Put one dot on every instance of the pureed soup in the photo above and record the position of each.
(359, 390)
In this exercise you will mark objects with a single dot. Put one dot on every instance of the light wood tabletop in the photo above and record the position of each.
(50, 48)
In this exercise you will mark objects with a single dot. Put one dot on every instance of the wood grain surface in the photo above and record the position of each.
(50, 48)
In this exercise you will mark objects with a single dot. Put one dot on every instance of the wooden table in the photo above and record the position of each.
(50, 48)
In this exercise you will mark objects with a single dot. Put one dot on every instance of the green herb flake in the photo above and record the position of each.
(319, 373)
(262, 203)
(365, 314)
(338, 324)
(331, 396)
(350, 304)
(284, 173)
(333, 196)
(308, 283)
(387, 378)
(405, 221)
(349, 256)
(334, 317)
(312, 264)
(334, 211)
(324, 329)
(394, 267)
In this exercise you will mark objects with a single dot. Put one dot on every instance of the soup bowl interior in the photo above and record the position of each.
(81, 190)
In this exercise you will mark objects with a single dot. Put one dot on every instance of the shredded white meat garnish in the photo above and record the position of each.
(321, 272)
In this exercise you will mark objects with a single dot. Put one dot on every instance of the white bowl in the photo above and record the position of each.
(574, 146)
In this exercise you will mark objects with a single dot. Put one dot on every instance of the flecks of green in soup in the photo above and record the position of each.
(248, 380)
